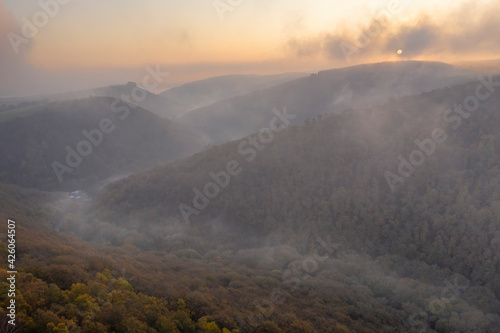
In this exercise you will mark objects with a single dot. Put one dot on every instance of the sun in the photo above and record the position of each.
(400, 52)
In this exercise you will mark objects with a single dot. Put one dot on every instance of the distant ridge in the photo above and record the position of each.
(139, 140)
(330, 91)
(208, 91)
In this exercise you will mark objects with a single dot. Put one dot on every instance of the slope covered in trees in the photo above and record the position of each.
(331, 91)
(202, 93)
(130, 92)
(72, 144)
(161, 106)
(322, 227)
(350, 176)
(65, 284)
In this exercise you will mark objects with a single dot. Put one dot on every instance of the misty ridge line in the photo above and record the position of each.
(95, 136)
(427, 147)
(249, 147)
(30, 29)
(137, 96)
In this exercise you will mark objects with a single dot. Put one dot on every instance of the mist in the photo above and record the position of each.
(247, 167)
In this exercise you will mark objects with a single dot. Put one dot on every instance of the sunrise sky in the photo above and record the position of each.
(94, 42)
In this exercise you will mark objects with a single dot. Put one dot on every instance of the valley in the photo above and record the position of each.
(300, 207)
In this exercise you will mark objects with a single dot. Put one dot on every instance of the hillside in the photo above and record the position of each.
(129, 92)
(169, 104)
(38, 142)
(64, 284)
(319, 227)
(326, 92)
(230, 166)
(202, 93)
(329, 177)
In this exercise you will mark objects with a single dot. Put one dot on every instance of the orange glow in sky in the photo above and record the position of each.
(293, 35)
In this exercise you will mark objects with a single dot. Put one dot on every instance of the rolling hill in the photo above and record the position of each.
(383, 217)
(202, 93)
(326, 92)
(66, 284)
(129, 92)
(72, 144)
(411, 179)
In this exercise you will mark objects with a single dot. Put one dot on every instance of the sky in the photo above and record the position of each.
(54, 45)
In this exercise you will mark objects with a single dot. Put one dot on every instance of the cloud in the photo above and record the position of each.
(16, 73)
(19, 77)
(305, 47)
(470, 30)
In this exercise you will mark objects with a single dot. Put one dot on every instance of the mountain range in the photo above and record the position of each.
(361, 199)
(73, 144)
(326, 92)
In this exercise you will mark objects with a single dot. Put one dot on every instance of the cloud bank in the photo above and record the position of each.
(15, 70)
(472, 30)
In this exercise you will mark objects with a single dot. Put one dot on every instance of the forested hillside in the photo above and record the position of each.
(201, 93)
(349, 176)
(378, 219)
(73, 144)
(162, 106)
(331, 91)
(231, 166)
(65, 284)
